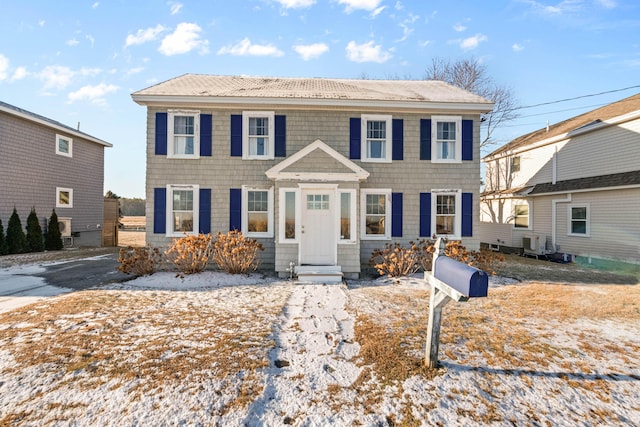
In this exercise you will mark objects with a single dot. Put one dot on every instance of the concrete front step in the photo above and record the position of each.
(319, 273)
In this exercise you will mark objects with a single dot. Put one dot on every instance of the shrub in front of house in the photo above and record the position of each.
(234, 253)
(35, 240)
(53, 238)
(191, 254)
(142, 261)
(16, 240)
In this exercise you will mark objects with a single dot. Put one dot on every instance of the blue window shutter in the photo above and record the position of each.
(205, 211)
(425, 215)
(281, 136)
(161, 134)
(425, 139)
(467, 214)
(159, 210)
(398, 139)
(354, 138)
(205, 135)
(236, 135)
(396, 214)
(467, 140)
(235, 209)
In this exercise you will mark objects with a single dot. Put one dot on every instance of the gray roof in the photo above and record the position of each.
(200, 85)
(592, 182)
(17, 111)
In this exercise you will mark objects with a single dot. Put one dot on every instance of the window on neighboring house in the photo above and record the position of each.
(347, 215)
(64, 197)
(64, 146)
(515, 164)
(446, 132)
(257, 213)
(521, 215)
(579, 220)
(258, 135)
(376, 213)
(288, 214)
(376, 138)
(182, 208)
(183, 134)
(447, 220)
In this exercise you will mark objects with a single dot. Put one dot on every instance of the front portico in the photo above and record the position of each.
(316, 212)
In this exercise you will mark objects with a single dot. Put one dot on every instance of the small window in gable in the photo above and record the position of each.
(515, 164)
(64, 197)
(183, 134)
(64, 146)
(258, 135)
(376, 138)
(446, 134)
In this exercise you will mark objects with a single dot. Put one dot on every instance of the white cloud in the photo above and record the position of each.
(41, 23)
(472, 42)
(143, 36)
(72, 42)
(95, 5)
(89, 72)
(367, 52)
(608, 4)
(406, 26)
(4, 67)
(245, 48)
(175, 7)
(135, 70)
(398, 6)
(561, 8)
(19, 74)
(184, 39)
(351, 5)
(56, 76)
(311, 51)
(91, 39)
(459, 28)
(94, 94)
(296, 4)
(378, 11)
(517, 47)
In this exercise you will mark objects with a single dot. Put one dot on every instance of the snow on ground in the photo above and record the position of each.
(19, 288)
(251, 350)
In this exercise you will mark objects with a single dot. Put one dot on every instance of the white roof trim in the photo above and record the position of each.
(276, 172)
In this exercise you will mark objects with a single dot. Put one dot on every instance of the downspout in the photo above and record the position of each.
(553, 218)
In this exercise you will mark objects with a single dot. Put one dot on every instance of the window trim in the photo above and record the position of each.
(352, 215)
(587, 220)
(363, 214)
(434, 139)
(457, 223)
(170, 134)
(69, 140)
(169, 210)
(245, 212)
(514, 164)
(388, 152)
(67, 190)
(282, 207)
(529, 216)
(271, 142)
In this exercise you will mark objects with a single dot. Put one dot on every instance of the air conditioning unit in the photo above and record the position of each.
(64, 225)
(534, 244)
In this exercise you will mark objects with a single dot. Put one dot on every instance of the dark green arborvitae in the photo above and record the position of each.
(35, 241)
(53, 239)
(16, 240)
(4, 249)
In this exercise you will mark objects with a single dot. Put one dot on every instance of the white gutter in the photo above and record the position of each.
(554, 218)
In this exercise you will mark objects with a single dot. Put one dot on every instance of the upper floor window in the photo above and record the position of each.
(376, 138)
(64, 197)
(521, 215)
(258, 135)
(447, 206)
(183, 134)
(515, 164)
(64, 146)
(376, 214)
(446, 132)
(579, 220)
(182, 208)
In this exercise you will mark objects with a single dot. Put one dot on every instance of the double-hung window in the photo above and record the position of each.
(376, 138)
(182, 209)
(183, 134)
(446, 132)
(64, 146)
(376, 214)
(521, 215)
(258, 137)
(64, 197)
(579, 220)
(257, 212)
(447, 209)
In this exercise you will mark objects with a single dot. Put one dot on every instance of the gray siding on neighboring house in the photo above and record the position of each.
(31, 170)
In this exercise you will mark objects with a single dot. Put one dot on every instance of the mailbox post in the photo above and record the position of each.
(450, 280)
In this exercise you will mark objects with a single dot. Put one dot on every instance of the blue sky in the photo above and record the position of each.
(79, 61)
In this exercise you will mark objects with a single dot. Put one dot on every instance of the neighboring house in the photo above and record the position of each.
(320, 171)
(47, 165)
(571, 189)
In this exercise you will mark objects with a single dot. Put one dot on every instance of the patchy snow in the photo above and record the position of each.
(313, 361)
(18, 287)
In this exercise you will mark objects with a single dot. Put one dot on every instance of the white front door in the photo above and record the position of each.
(318, 242)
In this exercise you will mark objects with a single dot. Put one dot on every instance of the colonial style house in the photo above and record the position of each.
(321, 171)
(571, 190)
(47, 165)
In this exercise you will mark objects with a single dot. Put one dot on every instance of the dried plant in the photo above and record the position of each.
(142, 261)
(234, 253)
(191, 254)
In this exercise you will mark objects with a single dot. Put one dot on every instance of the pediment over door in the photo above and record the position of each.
(317, 162)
